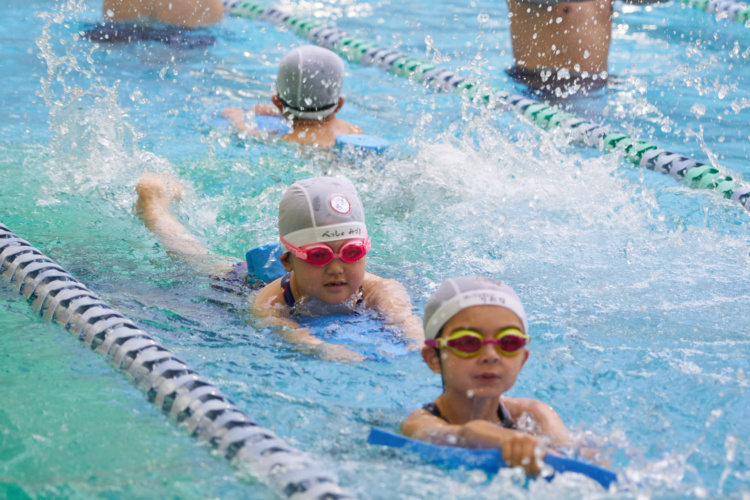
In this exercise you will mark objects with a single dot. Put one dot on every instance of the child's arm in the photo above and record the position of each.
(391, 298)
(269, 309)
(236, 116)
(155, 193)
(518, 448)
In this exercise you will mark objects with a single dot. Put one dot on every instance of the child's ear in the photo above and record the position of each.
(339, 106)
(286, 261)
(276, 100)
(525, 357)
(430, 356)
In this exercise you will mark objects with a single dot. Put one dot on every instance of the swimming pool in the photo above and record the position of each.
(636, 287)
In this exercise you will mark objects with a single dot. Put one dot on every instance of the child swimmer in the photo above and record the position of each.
(477, 334)
(323, 236)
(324, 239)
(308, 94)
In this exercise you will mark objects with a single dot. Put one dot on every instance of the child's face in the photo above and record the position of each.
(333, 283)
(488, 374)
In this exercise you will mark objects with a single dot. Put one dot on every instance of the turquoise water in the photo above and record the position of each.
(636, 287)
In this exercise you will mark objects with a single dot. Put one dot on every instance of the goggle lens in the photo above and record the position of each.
(511, 343)
(352, 252)
(320, 256)
(466, 343)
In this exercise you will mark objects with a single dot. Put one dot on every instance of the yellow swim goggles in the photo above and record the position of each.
(470, 343)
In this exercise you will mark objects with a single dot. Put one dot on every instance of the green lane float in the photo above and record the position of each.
(641, 153)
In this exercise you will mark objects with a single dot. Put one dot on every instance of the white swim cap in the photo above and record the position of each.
(456, 294)
(310, 81)
(321, 209)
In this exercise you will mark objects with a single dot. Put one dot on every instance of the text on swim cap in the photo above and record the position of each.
(485, 298)
(336, 233)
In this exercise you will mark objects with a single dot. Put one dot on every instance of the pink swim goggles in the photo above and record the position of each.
(319, 254)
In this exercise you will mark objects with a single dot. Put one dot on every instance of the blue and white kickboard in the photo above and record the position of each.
(355, 147)
(488, 460)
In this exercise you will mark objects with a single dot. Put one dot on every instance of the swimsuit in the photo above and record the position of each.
(502, 414)
(235, 281)
(546, 81)
(552, 2)
(113, 32)
(288, 295)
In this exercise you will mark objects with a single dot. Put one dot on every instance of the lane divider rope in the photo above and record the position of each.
(182, 394)
(734, 10)
(582, 131)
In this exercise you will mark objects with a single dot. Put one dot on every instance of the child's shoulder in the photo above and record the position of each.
(342, 127)
(377, 289)
(518, 406)
(270, 295)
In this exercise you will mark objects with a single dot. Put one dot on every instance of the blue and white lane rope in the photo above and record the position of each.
(732, 9)
(182, 393)
(591, 134)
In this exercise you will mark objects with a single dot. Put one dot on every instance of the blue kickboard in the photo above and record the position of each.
(488, 460)
(361, 142)
(273, 124)
(263, 262)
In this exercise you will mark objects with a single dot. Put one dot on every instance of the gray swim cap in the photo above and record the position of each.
(310, 81)
(456, 294)
(321, 209)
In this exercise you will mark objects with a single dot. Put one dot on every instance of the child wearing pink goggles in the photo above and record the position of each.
(324, 244)
(324, 241)
(477, 338)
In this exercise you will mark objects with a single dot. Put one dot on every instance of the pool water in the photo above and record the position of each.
(637, 287)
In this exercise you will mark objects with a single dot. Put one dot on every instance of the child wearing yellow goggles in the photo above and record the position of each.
(477, 340)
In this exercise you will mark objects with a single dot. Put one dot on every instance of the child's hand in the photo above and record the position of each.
(235, 115)
(523, 450)
(265, 109)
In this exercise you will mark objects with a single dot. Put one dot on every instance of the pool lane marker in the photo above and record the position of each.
(591, 134)
(736, 11)
(181, 393)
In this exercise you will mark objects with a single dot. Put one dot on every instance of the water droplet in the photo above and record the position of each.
(698, 110)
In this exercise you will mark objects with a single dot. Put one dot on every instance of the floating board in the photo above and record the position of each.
(263, 262)
(360, 143)
(273, 124)
(488, 460)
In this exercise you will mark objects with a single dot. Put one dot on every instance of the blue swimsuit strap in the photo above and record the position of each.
(288, 295)
(502, 414)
